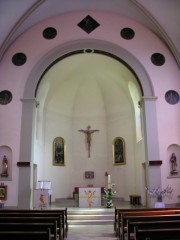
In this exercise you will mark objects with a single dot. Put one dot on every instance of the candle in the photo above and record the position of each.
(109, 181)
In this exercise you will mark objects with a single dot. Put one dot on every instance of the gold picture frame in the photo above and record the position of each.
(59, 151)
(3, 192)
(118, 149)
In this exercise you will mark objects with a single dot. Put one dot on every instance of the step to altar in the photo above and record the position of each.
(92, 216)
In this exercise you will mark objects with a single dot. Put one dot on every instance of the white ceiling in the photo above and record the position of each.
(102, 90)
(161, 16)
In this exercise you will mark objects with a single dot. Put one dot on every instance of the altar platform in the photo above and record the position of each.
(74, 203)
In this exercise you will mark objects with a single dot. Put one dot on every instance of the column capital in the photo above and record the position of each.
(149, 98)
(30, 100)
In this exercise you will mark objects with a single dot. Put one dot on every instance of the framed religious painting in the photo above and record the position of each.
(118, 150)
(3, 192)
(59, 151)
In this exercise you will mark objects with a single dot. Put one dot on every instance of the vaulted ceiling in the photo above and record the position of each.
(161, 16)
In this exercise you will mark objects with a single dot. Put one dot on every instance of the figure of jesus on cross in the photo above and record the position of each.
(88, 133)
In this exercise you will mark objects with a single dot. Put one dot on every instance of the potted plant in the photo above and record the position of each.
(159, 195)
(109, 194)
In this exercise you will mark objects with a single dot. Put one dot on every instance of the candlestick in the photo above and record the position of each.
(109, 181)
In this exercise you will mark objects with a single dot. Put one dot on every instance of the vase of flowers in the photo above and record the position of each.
(109, 194)
(159, 195)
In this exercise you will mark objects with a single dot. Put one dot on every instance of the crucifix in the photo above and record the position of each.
(88, 133)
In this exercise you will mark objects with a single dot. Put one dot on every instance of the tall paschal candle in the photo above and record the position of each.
(109, 181)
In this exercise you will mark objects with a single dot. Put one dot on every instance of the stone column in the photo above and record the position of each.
(153, 169)
(25, 193)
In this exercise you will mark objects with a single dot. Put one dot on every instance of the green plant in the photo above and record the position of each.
(109, 194)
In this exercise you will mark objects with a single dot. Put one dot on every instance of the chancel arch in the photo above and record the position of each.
(69, 90)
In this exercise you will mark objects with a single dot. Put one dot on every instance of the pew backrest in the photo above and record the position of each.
(25, 235)
(119, 211)
(35, 219)
(144, 217)
(30, 226)
(61, 212)
(150, 224)
(160, 234)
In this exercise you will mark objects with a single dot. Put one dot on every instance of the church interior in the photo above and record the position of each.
(89, 98)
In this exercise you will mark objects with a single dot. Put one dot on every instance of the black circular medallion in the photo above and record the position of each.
(49, 33)
(19, 59)
(158, 59)
(172, 97)
(127, 33)
(5, 97)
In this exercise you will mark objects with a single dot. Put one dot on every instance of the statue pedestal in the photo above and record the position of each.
(174, 172)
(4, 175)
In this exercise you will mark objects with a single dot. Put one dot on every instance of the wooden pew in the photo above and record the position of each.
(147, 218)
(149, 224)
(129, 215)
(160, 234)
(62, 213)
(30, 226)
(118, 211)
(27, 235)
(33, 219)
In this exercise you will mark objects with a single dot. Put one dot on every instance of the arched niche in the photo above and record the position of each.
(173, 148)
(5, 152)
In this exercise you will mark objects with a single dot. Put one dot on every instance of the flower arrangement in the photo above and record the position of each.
(160, 194)
(109, 193)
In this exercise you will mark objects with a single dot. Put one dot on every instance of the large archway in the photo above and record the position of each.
(146, 87)
(75, 43)
(88, 89)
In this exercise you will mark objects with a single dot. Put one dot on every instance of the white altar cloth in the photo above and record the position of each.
(89, 197)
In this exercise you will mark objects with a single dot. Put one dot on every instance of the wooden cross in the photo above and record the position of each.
(88, 133)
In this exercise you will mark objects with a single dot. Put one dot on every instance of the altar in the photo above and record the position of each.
(89, 197)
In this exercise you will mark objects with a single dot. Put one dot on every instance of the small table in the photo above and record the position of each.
(135, 199)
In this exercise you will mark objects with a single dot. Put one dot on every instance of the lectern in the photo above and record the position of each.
(43, 194)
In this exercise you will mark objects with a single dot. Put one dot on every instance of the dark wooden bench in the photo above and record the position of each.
(62, 213)
(122, 226)
(160, 234)
(149, 224)
(34, 219)
(147, 218)
(30, 226)
(25, 235)
(118, 211)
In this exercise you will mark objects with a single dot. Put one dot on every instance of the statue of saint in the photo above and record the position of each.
(173, 162)
(4, 172)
